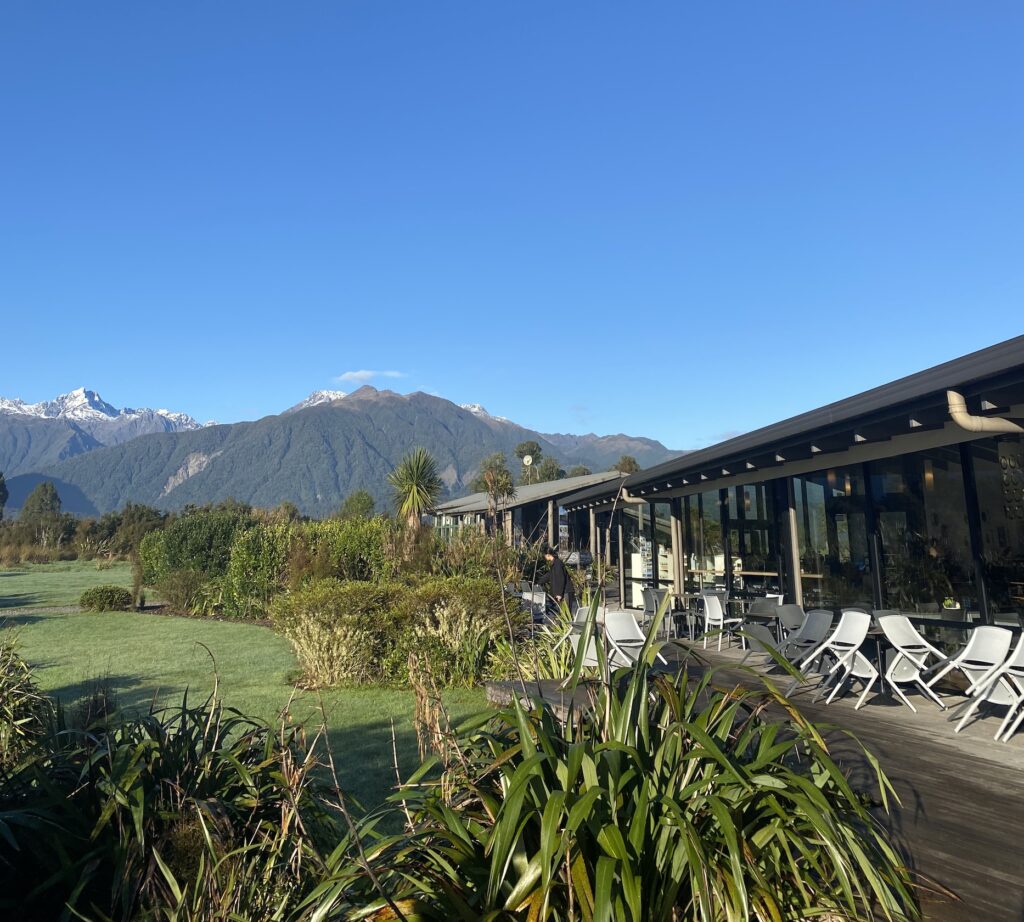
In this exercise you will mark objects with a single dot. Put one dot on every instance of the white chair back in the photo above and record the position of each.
(851, 630)
(986, 649)
(621, 626)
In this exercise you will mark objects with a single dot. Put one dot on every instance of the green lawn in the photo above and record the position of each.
(147, 657)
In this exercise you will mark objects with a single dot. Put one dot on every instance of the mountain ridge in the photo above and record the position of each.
(312, 456)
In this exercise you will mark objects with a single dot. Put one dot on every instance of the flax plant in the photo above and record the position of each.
(655, 797)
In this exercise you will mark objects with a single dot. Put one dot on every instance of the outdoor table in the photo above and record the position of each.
(876, 634)
(766, 617)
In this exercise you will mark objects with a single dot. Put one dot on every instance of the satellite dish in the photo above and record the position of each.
(527, 460)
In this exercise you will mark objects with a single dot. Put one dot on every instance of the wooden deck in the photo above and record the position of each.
(961, 820)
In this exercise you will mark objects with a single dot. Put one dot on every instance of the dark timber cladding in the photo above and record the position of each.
(909, 496)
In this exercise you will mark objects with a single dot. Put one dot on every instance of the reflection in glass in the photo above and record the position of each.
(707, 556)
(665, 569)
(999, 475)
(921, 513)
(754, 538)
(835, 566)
(636, 552)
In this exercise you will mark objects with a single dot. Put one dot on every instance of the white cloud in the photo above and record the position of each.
(364, 375)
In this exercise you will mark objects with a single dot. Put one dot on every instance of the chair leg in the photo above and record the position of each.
(1016, 723)
(867, 688)
(931, 694)
(975, 703)
(901, 696)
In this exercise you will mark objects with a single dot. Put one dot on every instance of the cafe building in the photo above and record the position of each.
(909, 496)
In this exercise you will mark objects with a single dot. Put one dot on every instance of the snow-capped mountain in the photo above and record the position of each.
(34, 435)
(83, 405)
(478, 410)
(316, 399)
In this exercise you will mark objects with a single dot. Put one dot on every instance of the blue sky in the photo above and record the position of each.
(668, 219)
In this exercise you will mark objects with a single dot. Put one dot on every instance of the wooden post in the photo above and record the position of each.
(552, 524)
(593, 533)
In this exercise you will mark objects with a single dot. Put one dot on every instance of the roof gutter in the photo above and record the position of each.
(958, 413)
(635, 500)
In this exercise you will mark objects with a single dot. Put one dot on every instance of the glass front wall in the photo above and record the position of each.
(835, 561)
(707, 553)
(999, 475)
(664, 568)
(637, 558)
(753, 538)
(924, 538)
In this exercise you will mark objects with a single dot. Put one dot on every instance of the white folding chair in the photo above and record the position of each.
(1003, 686)
(845, 645)
(985, 649)
(625, 638)
(911, 659)
(579, 620)
(715, 618)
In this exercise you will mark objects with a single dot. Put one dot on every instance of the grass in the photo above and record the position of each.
(146, 657)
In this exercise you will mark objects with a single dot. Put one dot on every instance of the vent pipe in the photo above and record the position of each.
(958, 413)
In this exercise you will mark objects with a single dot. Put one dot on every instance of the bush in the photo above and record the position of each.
(185, 590)
(665, 799)
(355, 549)
(256, 570)
(106, 598)
(152, 559)
(25, 714)
(454, 623)
(201, 539)
(195, 812)
(342, 633)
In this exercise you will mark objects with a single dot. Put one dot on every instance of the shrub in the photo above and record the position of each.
(453, 623)
(25, 714)
(106, 598)
(471, 554)
(342, 633)
(664, 799)
(201, 539)
(193, 812)
(184, 590)
(355, 549)
(256, 570)
(152, 559)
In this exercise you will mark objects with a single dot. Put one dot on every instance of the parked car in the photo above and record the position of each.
(579, 559)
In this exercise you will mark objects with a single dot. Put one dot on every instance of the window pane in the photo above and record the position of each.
(754, 538)
(835, 564)
(925, 540)
(999, 473)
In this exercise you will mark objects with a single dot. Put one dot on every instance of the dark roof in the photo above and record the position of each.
(531, 493)
(922, 391)
(602, 493)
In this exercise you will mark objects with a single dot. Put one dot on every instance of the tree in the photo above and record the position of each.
(627, 464)
(42, 518)
(547, 470)
(3, 495)
(494, 479)
(357, 505)
(579, 470)
(533, 449)
(416, 484)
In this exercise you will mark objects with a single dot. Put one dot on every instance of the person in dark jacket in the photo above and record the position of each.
(557, 581)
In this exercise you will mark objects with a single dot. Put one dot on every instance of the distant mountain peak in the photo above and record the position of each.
(316, 399)
(477, 410)
(84, 405)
